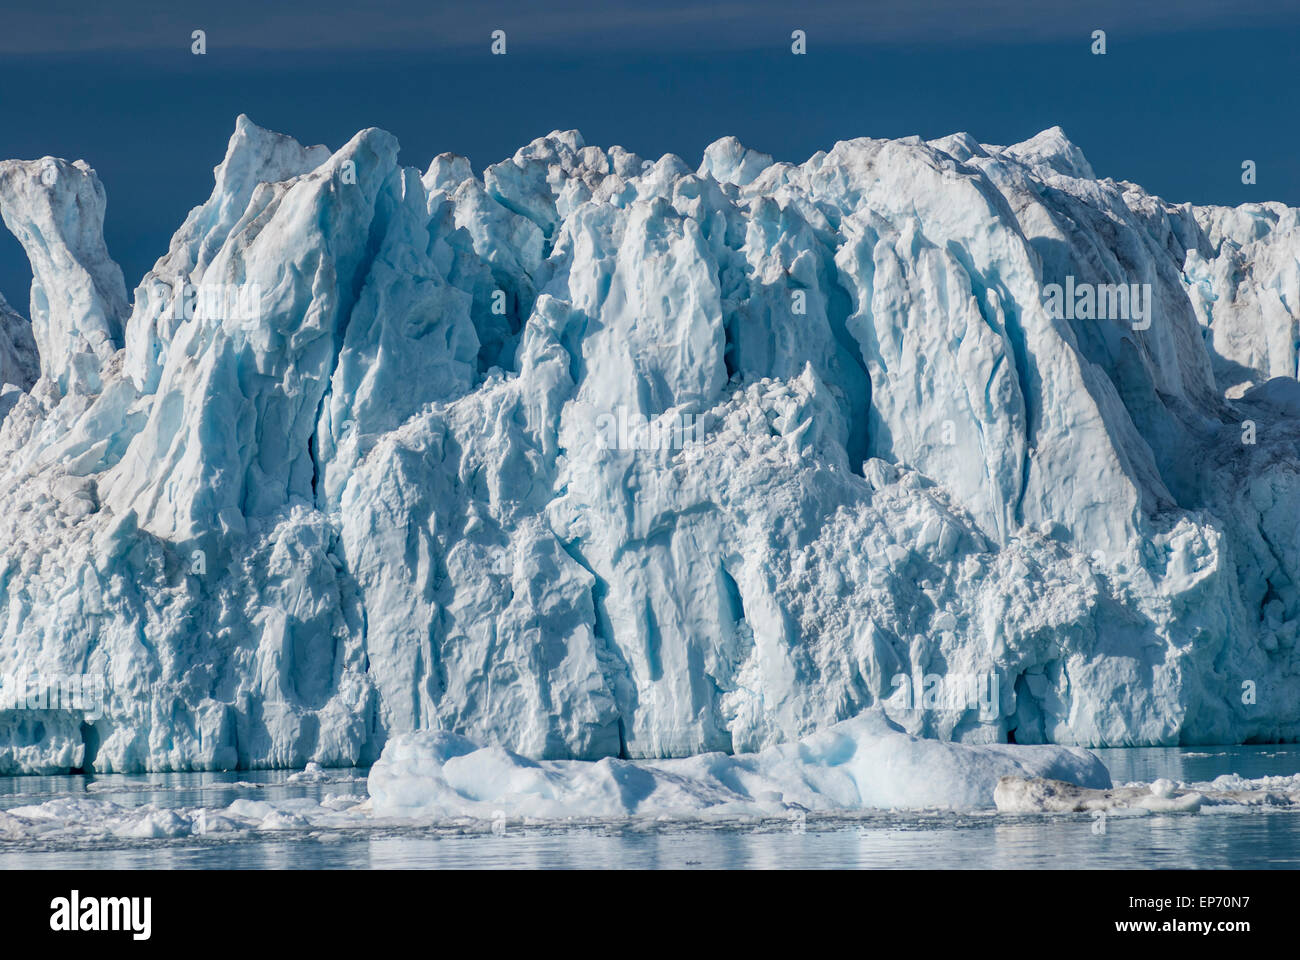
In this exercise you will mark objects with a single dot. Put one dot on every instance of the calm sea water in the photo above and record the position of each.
(1255, 839)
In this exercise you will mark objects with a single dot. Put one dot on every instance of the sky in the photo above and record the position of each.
(1183, 95)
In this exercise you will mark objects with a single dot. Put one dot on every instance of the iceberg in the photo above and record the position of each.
(599, 458)
(862, 763)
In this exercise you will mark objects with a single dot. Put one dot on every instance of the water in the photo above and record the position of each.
(1198, 764)
(1255, 839)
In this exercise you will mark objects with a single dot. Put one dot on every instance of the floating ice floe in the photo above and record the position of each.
(446, 784)
(863, 763)
(1038, 795)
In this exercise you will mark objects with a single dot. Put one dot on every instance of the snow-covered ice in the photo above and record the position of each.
(379, 503)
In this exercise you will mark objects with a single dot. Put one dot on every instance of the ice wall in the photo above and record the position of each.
(598, 456)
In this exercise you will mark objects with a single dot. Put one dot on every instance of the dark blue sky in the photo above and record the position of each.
(1182, 96)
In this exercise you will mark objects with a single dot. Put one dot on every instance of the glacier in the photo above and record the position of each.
(399, 501)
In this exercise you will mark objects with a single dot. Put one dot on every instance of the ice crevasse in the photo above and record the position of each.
(592, 456)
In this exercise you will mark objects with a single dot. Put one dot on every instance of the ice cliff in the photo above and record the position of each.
(595, 456)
